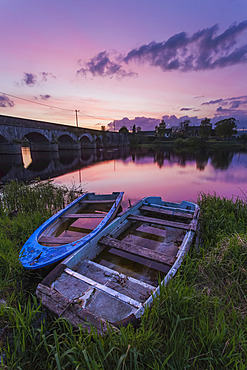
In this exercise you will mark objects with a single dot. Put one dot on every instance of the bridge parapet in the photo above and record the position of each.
(45, 136)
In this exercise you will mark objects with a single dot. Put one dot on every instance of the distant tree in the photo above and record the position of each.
(103, 128)
(243, 138)
(138, 129)
(184, 125)
(134, 129)
(205, 122)
(205, 128)
(226, 127)
(161, 129)
(123, 130)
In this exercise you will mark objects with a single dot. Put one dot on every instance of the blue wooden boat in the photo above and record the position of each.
(111, 279)
(69, 229)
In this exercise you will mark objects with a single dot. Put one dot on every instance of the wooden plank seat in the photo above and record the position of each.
(104, 288)
(113, 279)
(166, 212)
(57, 239)
(83, 215)
(137, 250)
(157, 221)
(106, 270)
(97, 201)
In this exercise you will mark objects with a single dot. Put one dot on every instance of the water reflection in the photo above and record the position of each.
(32, 164)
(221, 159)
(140, 170)
(171, 175)
(26, 156)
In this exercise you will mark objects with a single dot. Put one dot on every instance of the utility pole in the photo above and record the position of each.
(76, 117)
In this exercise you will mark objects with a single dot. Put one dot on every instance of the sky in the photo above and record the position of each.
(135, 62)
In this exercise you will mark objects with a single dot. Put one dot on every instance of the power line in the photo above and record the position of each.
(52, 106)
(35, 102)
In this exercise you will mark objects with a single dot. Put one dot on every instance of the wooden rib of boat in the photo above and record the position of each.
(115, 276)
(69, 229)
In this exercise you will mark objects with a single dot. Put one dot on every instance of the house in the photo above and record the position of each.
(167, 133)
(188, 131)
(192, 131)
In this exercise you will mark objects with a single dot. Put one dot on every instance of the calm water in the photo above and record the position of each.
(138, 173)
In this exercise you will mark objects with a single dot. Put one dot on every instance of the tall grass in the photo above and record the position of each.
(198, 322)
(39, 196)
(23, 208)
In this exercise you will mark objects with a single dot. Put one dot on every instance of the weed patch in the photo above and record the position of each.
(198, 322)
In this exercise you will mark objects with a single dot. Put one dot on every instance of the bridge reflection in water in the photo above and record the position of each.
(139, 172)
(26, 156)
(30, 165)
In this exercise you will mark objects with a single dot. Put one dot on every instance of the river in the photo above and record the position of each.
(138, 172)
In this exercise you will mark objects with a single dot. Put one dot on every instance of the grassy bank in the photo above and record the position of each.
(191, 144)
(199, 321)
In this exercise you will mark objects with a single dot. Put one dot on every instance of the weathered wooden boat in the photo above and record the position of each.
(116, 275)
(69, 229)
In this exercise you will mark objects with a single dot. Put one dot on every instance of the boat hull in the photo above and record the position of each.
(68, 230)
(118, 273)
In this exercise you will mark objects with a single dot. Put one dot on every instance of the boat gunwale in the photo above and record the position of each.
(185, 246)
(115, 228)
(33, 239)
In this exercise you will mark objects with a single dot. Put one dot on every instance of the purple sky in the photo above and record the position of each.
(131, 61)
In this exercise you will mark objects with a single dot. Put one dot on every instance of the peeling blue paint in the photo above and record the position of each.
(33, 255)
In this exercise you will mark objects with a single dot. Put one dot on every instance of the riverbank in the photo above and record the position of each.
(198, 322)
(192, 143)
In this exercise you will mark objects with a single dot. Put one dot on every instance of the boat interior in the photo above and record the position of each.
(116, 277)
(77, 221)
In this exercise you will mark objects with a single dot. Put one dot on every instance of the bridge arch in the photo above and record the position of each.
(36, 137)
(98, 142)
(8, 147)
(39, 142)
(65, 138)
(109, 140)
(66, 142)
(86, 141)
(3, 140)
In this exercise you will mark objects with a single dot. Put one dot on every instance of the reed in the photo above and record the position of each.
(198, 322)
(43, 196)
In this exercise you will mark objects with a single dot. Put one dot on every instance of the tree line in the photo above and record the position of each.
(225, 128)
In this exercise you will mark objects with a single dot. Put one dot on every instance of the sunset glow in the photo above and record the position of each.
(131, 59)
(172, 180)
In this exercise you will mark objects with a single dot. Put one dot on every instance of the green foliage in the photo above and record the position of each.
(224, 272)
(178, 143)
(243, 138)
(23, 208)
(205, 129)
(123, 130)
(192, 142)
(17, 197)
(161, 129)
(184, 125)
(221, 217)
(206, 122)
(226, 127)
(198, 322)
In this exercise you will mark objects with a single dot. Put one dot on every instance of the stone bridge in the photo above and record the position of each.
(49, 137)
